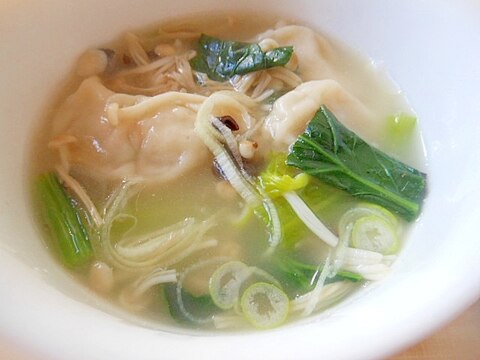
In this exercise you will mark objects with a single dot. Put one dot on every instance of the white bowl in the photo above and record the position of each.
(429, 47)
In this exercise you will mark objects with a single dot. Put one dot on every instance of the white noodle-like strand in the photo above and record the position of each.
(179, 288)
(163, 248)
(314, 295)
(262, 84)
(82, 195)
(362, 257)
(135, 49)
(286, 75)
(154, 65)
(230, 141)
(157, 241)
(170, 248)
(151, 106)
(331, 293)
(209, 135)
(373, 272)
(156, 277)
(265, 95)
(310, 219)
(236, 175)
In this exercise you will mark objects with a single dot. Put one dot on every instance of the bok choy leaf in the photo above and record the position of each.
(222, 59)
(277, 181)
(330, 152)
(298, 277)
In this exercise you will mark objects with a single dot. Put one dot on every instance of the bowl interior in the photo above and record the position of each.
(435, 63)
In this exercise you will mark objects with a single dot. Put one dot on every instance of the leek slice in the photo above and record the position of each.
(264, 305)
(375, 234)
(366, 209)
(225, 282)
(372, 228)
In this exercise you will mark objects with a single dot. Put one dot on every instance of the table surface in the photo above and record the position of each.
(459, 340)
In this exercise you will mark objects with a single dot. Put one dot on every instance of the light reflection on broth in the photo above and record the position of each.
(178, 202)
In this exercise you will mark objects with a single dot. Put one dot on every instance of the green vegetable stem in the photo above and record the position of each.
(64, 221)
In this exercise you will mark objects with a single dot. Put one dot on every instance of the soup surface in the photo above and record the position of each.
(222, 174)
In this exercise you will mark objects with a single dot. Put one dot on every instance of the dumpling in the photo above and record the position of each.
(292, 112)
(316, 57)
(168, 146)
(117, 135)
(320, 59)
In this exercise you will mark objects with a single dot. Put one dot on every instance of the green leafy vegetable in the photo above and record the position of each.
(278, 181)
(326, 202)
(198, 307)
(334, 154)
(64, 220)
(298, 277)
(278, 177)
(221, 60)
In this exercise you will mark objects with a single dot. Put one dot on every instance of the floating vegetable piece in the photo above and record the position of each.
(225, 283)
(297, 277)
(366, 209)
(400, 126)
(375, 234)
(276, 181)
(221, 60)
(264, 305)
(187, 308)
(334, 154)
(371, 227)
(64, 220)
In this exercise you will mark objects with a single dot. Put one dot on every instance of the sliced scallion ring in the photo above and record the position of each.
(225, 283)
(374, 233)
(366, 209)
(264, 305)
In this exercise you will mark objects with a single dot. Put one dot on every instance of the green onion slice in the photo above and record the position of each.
(375, 234)
(225, 283)
(264, 305)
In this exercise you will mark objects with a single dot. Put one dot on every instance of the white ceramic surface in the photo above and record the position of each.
(431, 48)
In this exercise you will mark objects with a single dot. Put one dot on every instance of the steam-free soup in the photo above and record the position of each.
(225, 174)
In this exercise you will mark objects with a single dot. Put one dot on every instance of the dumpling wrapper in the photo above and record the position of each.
(292, 112)
(148, 137)
(357, 92)
(316, 56)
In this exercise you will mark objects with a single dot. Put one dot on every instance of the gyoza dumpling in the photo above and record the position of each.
(117, 135)
(316, 57)
(292, 112)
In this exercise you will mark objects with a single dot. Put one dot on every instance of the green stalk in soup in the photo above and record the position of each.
(228, 180)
